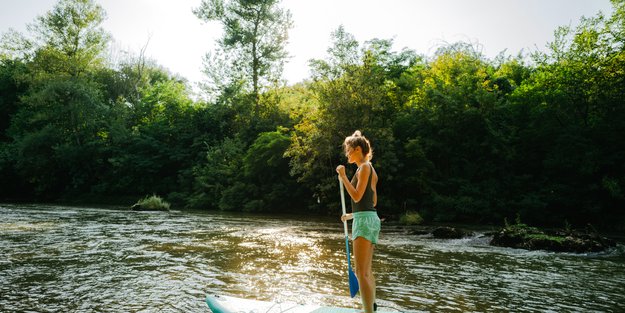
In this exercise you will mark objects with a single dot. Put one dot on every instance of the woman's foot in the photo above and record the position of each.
(375, 306)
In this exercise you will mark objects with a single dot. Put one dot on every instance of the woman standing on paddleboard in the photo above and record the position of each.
(366, 225)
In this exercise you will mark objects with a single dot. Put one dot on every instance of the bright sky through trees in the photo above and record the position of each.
(178, 39)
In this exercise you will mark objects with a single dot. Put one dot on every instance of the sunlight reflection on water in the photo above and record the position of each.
(59, 259)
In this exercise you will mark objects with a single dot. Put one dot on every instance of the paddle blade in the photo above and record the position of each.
(353, 282)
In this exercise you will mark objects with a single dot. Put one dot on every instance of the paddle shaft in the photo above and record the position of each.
(353, 280)
(349, 263)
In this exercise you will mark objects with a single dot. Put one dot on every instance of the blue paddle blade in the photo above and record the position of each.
(353, 283)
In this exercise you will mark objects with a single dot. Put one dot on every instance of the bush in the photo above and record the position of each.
(151, 203)
(411, 218)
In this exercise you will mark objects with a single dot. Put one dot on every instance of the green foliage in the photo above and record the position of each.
(462, 137)
(253, 44)
(573, 116)
(56, 133)
(153, 203)
(567, 226)
(11, 89)
(254, 178)
(343, 55)
(219, 172)
(267, 168)
(67, 40)
(411, 218)
(161, 144)
(352, 94)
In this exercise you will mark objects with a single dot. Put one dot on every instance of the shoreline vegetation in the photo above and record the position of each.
(521, 236)
(151, 203)
(460, 137)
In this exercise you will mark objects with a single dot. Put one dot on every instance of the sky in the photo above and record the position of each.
(178, 40)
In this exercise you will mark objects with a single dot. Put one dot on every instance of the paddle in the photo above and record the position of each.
(353, 281)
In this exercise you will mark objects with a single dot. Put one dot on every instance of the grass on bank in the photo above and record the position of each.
(152, 203)
(411, 218)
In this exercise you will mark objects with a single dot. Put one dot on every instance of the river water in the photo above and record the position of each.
(70, 259)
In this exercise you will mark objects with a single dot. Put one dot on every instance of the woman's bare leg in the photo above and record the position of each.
(363, 255)
(371, 272)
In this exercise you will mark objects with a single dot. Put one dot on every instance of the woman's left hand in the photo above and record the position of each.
(347, 217)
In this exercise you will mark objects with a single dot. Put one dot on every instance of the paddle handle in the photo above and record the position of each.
(343, 204)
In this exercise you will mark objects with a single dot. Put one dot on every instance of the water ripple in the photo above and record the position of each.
(60, 259)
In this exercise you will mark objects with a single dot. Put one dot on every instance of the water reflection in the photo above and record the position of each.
(90, 260)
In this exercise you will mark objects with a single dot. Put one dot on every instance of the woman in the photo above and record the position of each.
(366, 225)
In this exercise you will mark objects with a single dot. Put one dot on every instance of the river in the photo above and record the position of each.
(81, 259)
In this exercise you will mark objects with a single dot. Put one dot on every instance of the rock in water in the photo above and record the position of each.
(521, 236)
(450, 233)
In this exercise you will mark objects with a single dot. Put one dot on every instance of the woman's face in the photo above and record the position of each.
(352, 154)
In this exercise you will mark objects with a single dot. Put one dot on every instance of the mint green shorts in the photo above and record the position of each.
(367, 225)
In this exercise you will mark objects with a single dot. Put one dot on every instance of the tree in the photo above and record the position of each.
(11, 90)
(267, 170)
(342, 56)
(66, 40)
(353, 86)
(218, 178)
(252, 47)
(572, 122)
(57, 130)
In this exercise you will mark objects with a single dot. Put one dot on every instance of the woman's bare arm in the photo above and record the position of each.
(374, 184)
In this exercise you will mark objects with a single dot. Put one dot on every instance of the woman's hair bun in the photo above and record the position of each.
(358, 140)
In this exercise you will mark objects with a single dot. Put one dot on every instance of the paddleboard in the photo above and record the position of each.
(226, 304)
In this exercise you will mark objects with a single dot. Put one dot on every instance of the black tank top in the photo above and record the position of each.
(366, 202)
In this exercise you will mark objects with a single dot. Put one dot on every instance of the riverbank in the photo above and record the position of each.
(563, 240)
(525, 237)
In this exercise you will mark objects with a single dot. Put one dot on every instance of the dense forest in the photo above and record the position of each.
(457, 137)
